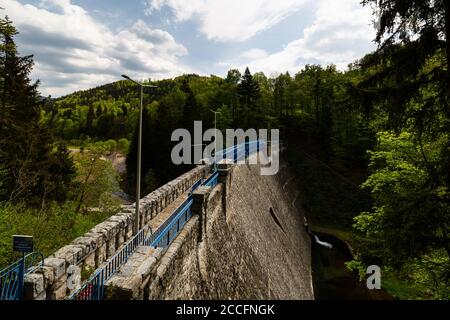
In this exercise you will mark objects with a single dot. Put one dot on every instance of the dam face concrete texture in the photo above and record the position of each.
(262, 212)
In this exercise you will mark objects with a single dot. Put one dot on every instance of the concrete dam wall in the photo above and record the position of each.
(245, 240)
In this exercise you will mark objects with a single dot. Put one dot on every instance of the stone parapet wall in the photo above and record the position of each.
(150, 272)
(61, 274)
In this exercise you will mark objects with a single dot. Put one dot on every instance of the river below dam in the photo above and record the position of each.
(331, 279)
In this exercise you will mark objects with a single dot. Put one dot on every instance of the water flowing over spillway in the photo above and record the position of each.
(322, 243)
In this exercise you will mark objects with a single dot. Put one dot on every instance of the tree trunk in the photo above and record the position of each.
(83, 191)
(3, 112)
(447, 35)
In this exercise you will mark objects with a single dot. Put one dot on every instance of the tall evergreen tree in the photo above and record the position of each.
(232, 81)
(25, 145)
(147, 152)
(233, 76)
(99, 111)
(191, 108)
(249, 94)
(89, 120)
(124, 110)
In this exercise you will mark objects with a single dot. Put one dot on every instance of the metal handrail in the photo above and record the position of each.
(234, 148)
(243, 150)
(93, 287)
(183, 211)
(30, 267)
(196, 185)
(212, 180)
(12, 277)
(163, 232)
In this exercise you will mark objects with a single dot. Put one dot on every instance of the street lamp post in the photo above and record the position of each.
(138, 176)
(215, 136)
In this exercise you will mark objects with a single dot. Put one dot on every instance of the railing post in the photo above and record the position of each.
(225, 177)
(200, 201)
(19, 295)
(247, 150)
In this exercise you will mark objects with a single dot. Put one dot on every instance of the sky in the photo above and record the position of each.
(80, 44)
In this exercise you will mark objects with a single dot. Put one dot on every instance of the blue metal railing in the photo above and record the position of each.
(240, 151)
(93, 289)
(196, 185)
(212, 180)
(12, 277)
(11, 281)
(172, 226)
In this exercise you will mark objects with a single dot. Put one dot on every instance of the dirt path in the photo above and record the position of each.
(118, 161)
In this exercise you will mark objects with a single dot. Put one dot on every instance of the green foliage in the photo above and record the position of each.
(102, 147)
(409, 216)
(424, 278)
(150, 182)
(96, 179)
(358, 267)
(249, 94)
(244, 101)
(327, 141)
(224, 118)
(51, 229)
(403, 290)
(30, 169)
(327, 198)
(233, 76)
(404, 91)
(151, 135)
(123, 145)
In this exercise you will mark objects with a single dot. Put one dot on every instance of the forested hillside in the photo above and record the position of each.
(317, 96)
(370, 145)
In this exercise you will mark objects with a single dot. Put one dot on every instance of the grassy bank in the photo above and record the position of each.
(57, 224)
(51, 228)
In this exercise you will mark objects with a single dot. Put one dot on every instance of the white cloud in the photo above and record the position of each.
(73, 51)
(253, 54)
(340, 34)
(230, 20)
